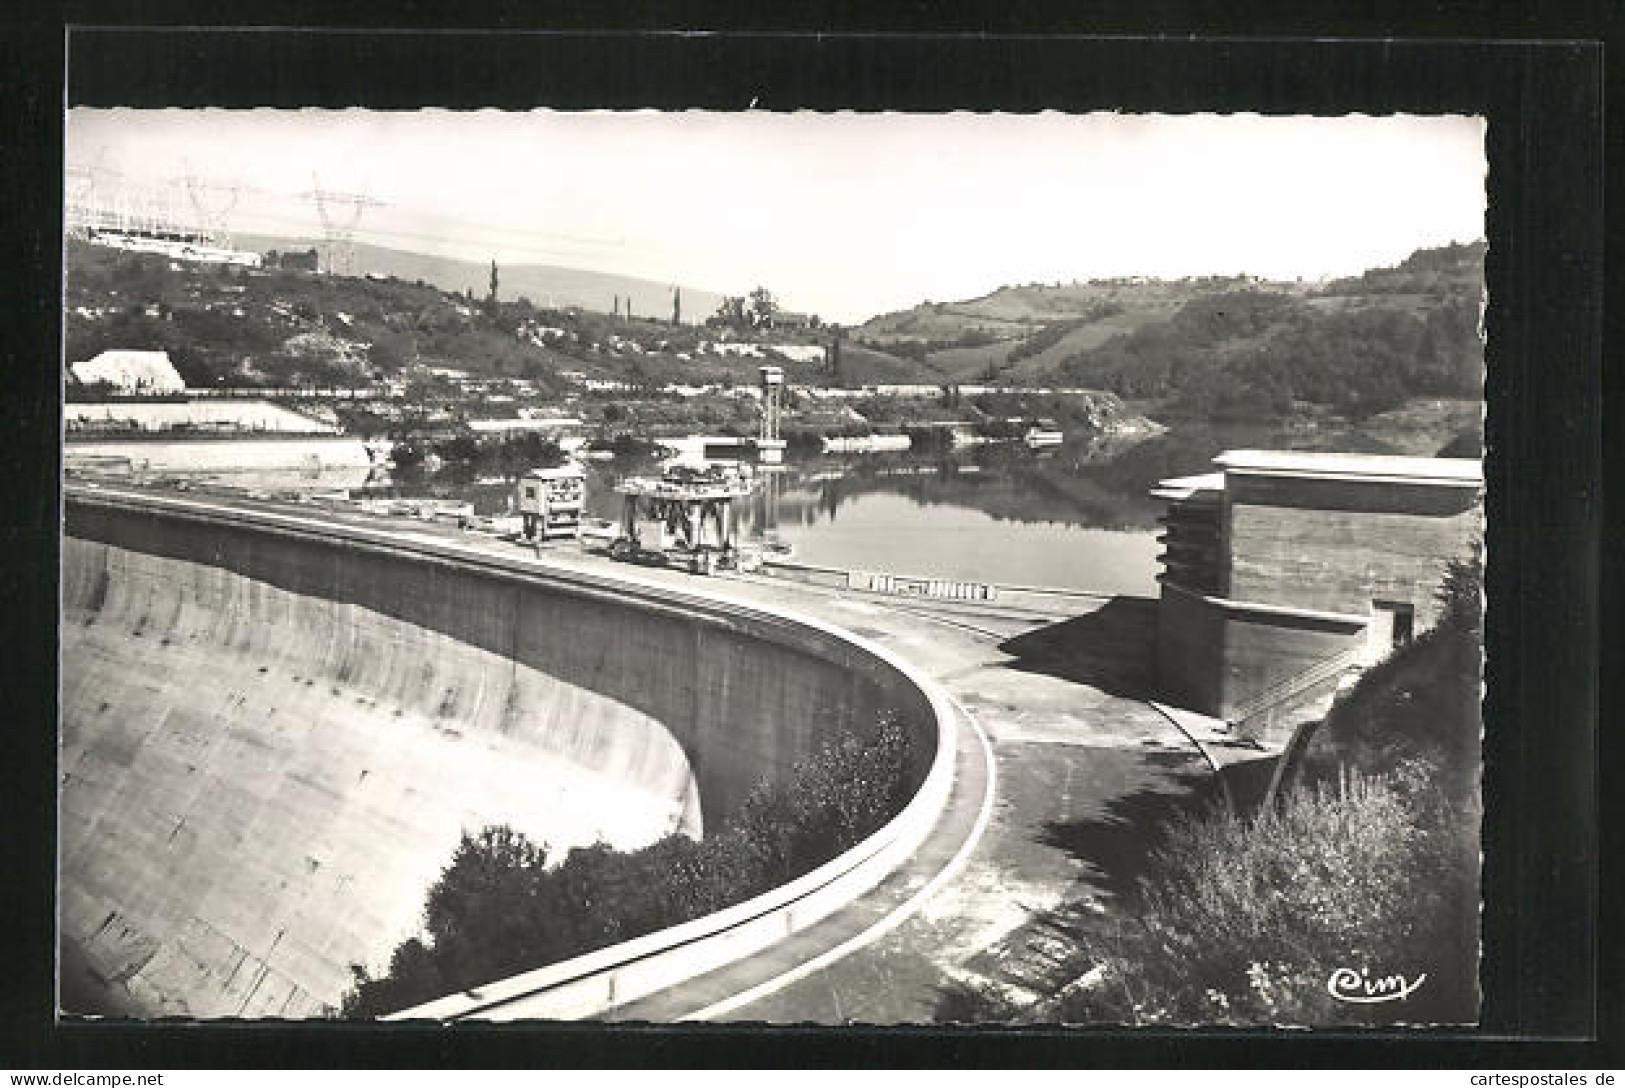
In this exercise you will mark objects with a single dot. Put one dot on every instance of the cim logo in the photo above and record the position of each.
(1358, 987)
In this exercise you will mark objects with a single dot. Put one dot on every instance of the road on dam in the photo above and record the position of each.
(1063, 770)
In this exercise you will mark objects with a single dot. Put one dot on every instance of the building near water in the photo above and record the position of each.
(1285, 571)
(136, 372)
(177, 245)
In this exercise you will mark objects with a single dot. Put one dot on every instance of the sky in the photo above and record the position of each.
(840, 214)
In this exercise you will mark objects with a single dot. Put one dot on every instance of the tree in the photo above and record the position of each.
(762, 308)
(491, 299)
(730, 313)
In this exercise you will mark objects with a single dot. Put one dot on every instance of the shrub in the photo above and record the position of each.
(1244, 920)
(1420, 704)
(510, 454)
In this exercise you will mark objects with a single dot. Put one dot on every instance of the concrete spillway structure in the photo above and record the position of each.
(272, 738)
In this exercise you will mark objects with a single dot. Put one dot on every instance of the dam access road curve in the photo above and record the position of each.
(272, 738)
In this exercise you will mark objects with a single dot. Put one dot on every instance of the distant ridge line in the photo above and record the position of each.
(547, 286)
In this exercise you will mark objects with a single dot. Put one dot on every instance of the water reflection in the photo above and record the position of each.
(1078, 515)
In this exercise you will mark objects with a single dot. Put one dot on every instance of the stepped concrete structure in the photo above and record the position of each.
(1285, 570)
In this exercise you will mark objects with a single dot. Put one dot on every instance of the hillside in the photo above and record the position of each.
(547, 286)
(1019, 333)
(276, 327)
(1357, 347)
(1018, 310)
(239, 328)
(1218, 347)
(863, 365)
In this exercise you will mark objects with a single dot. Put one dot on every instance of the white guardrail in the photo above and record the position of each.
(904, 586)
(919, 585)
(597, 982)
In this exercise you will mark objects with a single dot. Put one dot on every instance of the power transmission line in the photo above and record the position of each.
(213, 218)
(249, 201)
(339, 213)
(102, 197)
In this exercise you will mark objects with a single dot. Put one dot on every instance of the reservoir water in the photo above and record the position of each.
(1076, 516)
(886, 533)
(987, 519)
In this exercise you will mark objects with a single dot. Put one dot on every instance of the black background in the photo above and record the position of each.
(1544, 969)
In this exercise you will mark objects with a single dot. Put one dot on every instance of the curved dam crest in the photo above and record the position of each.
(272, 741)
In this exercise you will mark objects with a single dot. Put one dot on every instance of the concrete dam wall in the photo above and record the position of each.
(272, 739)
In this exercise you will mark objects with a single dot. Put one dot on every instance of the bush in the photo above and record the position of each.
(1420, 704)
(1245, 919)
(498, 909)
(509, 454)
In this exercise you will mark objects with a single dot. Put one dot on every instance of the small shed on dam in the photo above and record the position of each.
(1284, 571)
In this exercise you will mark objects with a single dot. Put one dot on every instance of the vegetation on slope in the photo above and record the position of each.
(868, 364)
(1053, 333)
(233, 327)
(1014, 333)
(1358, 347)
(1244, 920)
(1420, 705)
(1014, 311)
(1213, 348)
(1369, 864)
(274, 327)
(1218, 348)
(500, 908)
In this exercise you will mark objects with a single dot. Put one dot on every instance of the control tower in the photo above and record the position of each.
(769, 446)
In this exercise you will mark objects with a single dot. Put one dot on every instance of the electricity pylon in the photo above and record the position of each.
(79, 200)
(213, 217)
(340, 212)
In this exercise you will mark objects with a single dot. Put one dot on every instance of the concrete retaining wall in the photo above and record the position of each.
(1216, 655)
(303, 723)
(1190, 651)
